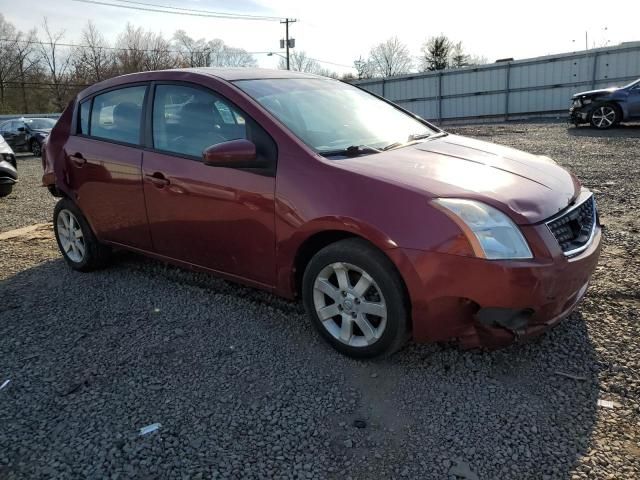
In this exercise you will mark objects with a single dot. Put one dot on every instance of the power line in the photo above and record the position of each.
(77, 45)
(225, 14)
(191, 13)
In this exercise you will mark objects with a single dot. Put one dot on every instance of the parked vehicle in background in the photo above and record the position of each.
(607, 107)
(27, 134)
(386, 226)
(8, 168)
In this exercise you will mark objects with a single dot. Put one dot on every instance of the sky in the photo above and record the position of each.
(340, 31)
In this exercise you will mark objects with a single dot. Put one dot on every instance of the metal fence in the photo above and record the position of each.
(514, 89)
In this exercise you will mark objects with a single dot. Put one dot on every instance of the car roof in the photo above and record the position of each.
(232, 74)
(224, 74)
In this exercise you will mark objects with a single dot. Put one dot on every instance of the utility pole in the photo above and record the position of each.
(287, 41)
(586, 40)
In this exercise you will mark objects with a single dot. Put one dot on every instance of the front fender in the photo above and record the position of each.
(287, 249)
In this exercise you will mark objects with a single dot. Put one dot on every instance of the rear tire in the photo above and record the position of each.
(355, 298)
(79, 246)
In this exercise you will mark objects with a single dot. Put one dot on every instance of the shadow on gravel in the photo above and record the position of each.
(244, 388)
(630, 131)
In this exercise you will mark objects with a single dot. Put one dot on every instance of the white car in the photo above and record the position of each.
(8, 168)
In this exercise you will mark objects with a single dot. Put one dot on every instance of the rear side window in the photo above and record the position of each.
(85, 108)
(116, 115)
(188, 120)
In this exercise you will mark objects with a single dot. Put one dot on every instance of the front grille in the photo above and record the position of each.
(575, 229)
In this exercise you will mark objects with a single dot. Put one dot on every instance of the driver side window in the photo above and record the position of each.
(187, 120)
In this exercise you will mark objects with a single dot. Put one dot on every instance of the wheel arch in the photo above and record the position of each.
(609, 101)
(319, 240)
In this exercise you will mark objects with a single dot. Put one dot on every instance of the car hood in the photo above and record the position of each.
(43, 131)
(531, 188)
(4, 147)
(593, 93)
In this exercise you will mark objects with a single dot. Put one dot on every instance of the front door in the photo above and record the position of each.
(13, 135)
(634, 102)
(213, 217)
(104, 166)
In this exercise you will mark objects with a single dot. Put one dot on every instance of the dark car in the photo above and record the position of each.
(606, 108)
(8, 168)
(386, 226)
(27, 134)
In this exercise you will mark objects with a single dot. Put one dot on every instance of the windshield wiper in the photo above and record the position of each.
(414, 138)
(351, 151)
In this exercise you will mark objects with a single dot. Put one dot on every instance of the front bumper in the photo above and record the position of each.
(451, 294)
(8, 173)
(579, 115)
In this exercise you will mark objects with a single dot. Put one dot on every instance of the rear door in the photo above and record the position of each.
(213, 217)
(9, 131)
(104, 162)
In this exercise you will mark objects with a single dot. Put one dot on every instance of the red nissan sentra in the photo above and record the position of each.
(386, 226)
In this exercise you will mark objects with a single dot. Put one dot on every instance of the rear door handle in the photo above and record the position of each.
(158, 179)
(78, 159)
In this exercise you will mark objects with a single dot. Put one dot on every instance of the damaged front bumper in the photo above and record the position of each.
(579, 112)
(482, 303)
(8, 172)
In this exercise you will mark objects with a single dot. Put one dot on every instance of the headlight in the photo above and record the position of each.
(493, 234)
(577, 103)
(586, 101)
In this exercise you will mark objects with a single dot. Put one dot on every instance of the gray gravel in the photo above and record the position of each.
(243, 388)
(29, 202)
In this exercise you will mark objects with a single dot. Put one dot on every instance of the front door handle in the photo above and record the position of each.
(158, 179)
(78, 159)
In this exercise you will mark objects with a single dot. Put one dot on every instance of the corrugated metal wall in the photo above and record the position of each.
(521, 88)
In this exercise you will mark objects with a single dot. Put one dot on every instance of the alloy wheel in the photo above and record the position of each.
(603, 117)
(71, 236)
(36, 149)
(350, 304)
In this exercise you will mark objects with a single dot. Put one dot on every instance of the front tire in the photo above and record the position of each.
(355, 298)
(36, 148)
(605, 116)
(76, 241)
(5, 189)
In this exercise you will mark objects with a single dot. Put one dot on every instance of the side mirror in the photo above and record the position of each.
(22, 129)
(235, 153)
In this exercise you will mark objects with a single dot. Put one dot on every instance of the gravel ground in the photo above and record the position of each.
(243, 388)
(29, 202)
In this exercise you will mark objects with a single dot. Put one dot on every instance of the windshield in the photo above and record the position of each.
(40, 123)
(329, 115)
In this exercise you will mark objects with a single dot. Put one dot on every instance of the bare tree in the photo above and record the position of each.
(390, 58)
(157, 52)
(130, 54)
(28, 62)
(300, 62)
(477, 60)
(235, 57)
(8, 56)
(57, 63)
(458, 56)
(364, 68)
(435, 53)
(94, 61)
(348, 77)
(194, 53)
(214, 53)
